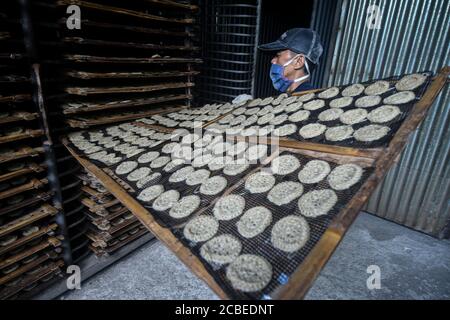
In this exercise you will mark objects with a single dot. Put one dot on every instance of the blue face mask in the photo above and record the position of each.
(279, 81)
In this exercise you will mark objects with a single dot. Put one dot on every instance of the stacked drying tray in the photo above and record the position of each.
(29, 244)
(111, 225)
(128, 60)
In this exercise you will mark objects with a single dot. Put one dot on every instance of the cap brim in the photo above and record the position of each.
(272, 46)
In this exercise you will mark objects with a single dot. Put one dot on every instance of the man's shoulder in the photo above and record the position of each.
(304, 86)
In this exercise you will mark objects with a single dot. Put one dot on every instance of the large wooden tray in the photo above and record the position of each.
(380, 159)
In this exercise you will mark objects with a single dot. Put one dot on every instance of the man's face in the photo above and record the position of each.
(284, 56)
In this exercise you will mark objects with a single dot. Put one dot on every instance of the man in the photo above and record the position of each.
(298, 53)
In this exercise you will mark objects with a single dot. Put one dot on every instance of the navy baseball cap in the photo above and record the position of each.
(298, 40)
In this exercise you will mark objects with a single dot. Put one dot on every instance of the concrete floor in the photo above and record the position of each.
(412, 266)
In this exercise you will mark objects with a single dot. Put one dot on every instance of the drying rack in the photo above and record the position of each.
(379, 159)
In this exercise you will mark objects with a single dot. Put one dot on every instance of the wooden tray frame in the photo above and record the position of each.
(301, 280)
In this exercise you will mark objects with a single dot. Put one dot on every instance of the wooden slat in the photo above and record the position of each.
(28, 252)
(19, 116)
(128, 104)
(32, 184)
(302, 279)
(16, 98)
(114, 26)
(86, 123)
(84, 91)
(325, 148)
(21, 153)
(129, 75)
(21, 136)
(23, 240)
(158, 60)
(44, 211)
(125, 12)
(129, 45)
(33, 167)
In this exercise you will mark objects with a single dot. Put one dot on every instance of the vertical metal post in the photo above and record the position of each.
(255, 53)
(38, 99)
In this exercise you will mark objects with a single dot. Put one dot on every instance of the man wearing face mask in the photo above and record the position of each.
(298, 53)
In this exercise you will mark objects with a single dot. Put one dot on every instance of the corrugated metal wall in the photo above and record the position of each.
(414, 35)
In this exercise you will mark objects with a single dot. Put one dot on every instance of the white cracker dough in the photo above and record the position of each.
(290, 233)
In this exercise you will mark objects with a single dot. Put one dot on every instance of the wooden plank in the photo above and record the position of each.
(173, 4)
(19, 116)
(23, 240)
(44, 211)
(128, 103)
(32, 167)
(21, 136)
(121, 27)
(293, 144)
(28, 252)
(32, 184)
(129, 75)
(163, 234)
(86, 122)
(23, 152)
(84, 91)
(302, 279)
(125, 12)
(129, 45)
(158, 60)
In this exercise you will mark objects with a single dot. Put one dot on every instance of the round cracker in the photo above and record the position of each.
(312, 130)
(284, 164)
(314, 171)
(367, 101)
(410, 82)
(371, 132)
(254, 221)
(353, 90)
(314, 105)
(290, 233)
(229, 207)
(384, 114)
(213, 185)
(249, 273)
(285, 192)
(377, 88)
(285, 130)
(339, 133)
(184, 207)
(138, 174)
(197, 177)
(317, 202)
(299, 116)
(344, 176)
(221, 249)
(126, 167)
(181, 174)
(166, 200)
(200, 228)
(329, 93)
(354, 116)
(150, 193)
(259, 182)
(342, 102)
(400, 97)
(330, 114)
